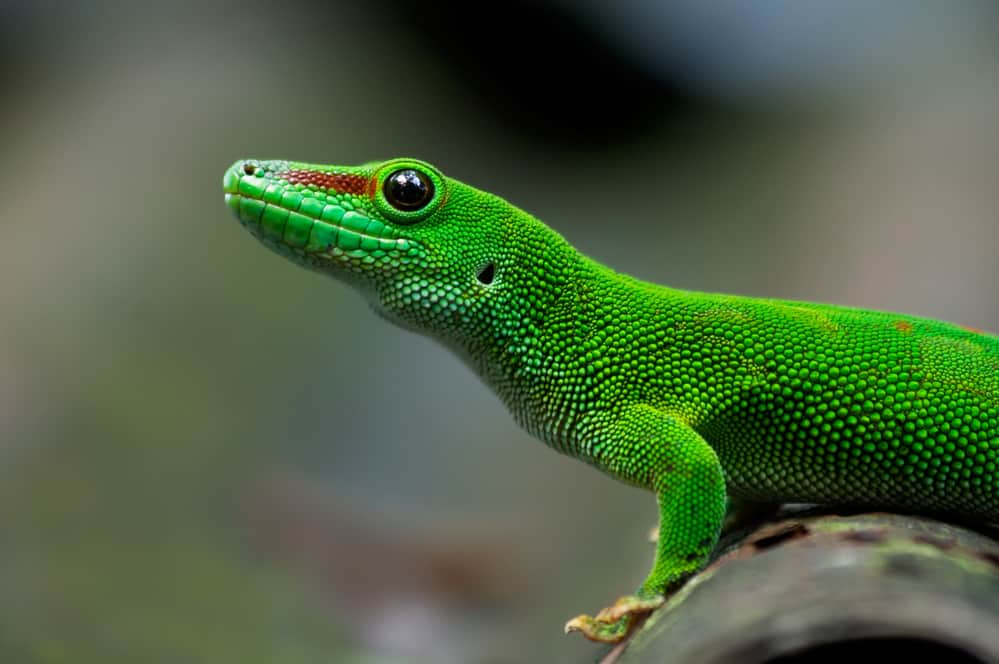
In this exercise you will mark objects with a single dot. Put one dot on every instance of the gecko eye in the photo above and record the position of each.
(408, 190)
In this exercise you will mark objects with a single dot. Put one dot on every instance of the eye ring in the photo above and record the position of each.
(408, 190)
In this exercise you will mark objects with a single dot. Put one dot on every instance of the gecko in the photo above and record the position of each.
(707, 400)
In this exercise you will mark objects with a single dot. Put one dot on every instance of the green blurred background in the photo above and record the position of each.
(211, 455)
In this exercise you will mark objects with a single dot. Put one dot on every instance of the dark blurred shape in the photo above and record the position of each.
(876, 651)
(775, 52)
(11, 29)
(544, 68)
(831, 587)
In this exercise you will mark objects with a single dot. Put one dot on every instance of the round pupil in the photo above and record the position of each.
(408, 189)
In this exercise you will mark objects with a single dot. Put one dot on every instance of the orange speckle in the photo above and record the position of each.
(903, 326)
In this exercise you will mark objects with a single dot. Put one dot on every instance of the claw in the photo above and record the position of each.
(578, 624)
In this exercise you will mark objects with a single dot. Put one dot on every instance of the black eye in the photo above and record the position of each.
(408, 190)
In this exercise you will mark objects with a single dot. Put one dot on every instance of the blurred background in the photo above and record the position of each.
(211, 455)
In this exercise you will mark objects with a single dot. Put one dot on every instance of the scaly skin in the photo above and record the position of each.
(695, 396)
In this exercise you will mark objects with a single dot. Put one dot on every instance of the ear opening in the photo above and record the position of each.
(486, 273)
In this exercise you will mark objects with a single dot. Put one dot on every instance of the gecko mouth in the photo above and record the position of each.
(304, 221)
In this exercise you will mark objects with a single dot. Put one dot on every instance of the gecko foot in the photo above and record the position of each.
(615, 622)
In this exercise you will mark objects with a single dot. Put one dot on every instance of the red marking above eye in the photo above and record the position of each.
(973, 330)
(341, 183)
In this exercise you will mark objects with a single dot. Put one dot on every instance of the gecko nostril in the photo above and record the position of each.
(249, 169)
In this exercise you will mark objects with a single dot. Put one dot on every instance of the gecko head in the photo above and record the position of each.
(428, 251)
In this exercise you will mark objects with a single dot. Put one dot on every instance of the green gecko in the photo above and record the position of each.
(696, 396)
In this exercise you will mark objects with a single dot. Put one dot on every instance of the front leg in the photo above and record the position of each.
(741, 513)
(652, 449)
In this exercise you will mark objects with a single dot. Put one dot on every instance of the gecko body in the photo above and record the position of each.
(699, 397)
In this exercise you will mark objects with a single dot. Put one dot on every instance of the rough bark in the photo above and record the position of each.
(861, 587)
